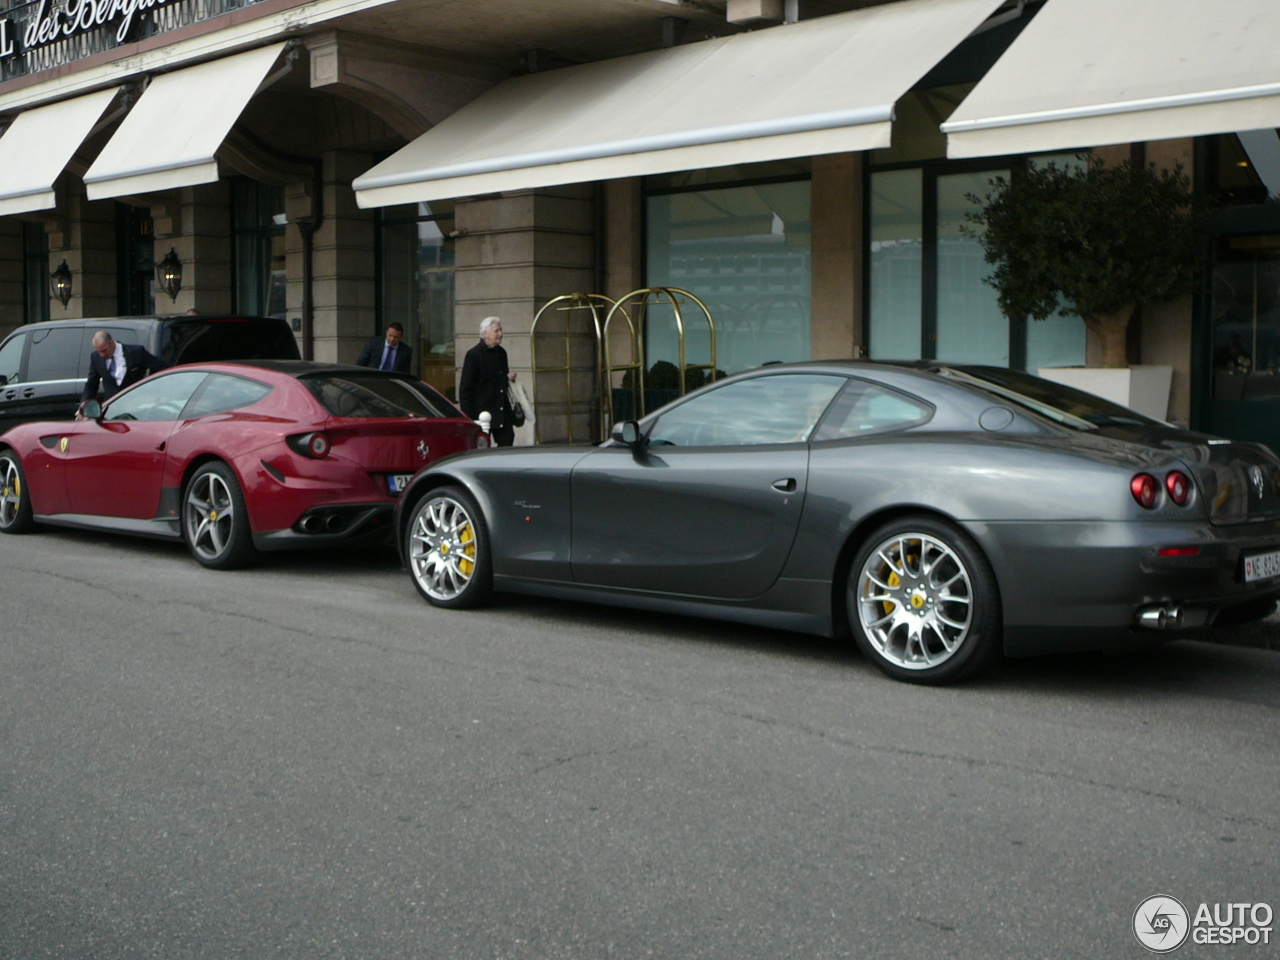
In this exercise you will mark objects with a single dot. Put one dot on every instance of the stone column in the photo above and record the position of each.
(516, 252)
(836, 318)
(343, 281)
(195, 222)
(84, 235)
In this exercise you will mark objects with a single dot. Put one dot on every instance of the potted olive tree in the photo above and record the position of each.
(1096, 241)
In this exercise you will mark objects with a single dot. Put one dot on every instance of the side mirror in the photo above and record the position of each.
(90, 410)
(628, 432)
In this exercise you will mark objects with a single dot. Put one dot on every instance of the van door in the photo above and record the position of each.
(53, 382)
(11, 356)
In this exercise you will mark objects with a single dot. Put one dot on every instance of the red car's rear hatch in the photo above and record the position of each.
(1240, 481)
(400, 445)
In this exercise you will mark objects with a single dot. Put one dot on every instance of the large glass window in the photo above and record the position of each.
(897, 252)
(159, 398)
(928, 295)
(416, 285)
(745, 252)
(772, 409)
(261, 282)
(135, 261)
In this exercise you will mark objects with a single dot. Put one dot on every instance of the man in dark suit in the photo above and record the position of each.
(387, 353)
(116, 366)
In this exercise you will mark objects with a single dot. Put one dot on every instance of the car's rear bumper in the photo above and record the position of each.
(1083, 585)
(327, 524)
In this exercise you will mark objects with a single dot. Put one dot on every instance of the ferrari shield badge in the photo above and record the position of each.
(62, 445)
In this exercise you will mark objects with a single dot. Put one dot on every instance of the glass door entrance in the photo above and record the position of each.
(1245, 399)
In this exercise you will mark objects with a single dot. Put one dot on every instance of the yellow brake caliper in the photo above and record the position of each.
(467, 539)
(888, 605)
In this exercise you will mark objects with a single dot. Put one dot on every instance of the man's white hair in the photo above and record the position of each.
(487, 323)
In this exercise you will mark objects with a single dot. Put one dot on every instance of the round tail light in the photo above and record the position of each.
(318, 445)
(1144, 488)
(1179, 487)
(482, 442)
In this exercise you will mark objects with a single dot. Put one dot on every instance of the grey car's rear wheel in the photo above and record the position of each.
(447, 546)
(15, 499)
(214, 520)
(922, 602)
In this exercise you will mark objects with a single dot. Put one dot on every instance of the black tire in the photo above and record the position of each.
(15, 503)
(446, 545)
(215, 523)
(932, 618)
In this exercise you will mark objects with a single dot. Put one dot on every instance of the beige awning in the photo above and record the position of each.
(1092, 72)
(826, 85)
(171, 135)
(38, 146)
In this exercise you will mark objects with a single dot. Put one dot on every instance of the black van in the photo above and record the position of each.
(43, 366)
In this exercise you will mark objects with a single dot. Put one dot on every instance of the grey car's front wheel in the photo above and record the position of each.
(922, 602)
(447, 545)
(15, 500)
(214, 520)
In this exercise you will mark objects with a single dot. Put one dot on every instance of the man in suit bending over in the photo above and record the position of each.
(387, 353)
(116, 366)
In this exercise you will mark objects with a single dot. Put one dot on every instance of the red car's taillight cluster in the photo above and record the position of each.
(1146, 488)
(313, 445)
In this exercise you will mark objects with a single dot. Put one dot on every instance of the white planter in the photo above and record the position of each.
(1142, 388)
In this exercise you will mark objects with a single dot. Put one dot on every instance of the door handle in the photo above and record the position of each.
(786, 485)
(160, 445)
(28, 393)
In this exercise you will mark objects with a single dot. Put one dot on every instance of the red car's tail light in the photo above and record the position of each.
(482, 442)
(313, 445)
(1179, 487)
(1179, 551)
(1144, 488)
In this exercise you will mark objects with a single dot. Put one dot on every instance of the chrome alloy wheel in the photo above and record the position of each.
(11, 497)
(443, 548)
(209, 516)
(915, 601)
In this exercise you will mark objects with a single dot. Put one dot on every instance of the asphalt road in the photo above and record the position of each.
(304, 760)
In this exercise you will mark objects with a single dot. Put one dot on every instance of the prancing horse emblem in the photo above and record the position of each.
(1256, 478)
(424, 450)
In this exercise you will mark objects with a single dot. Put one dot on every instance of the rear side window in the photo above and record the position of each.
(361, 395)
(55, 354)
(221, 393)
(866, 408)
(213, 341)
(11, 359)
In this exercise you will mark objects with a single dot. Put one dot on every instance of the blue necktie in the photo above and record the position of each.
(388, 357)
(111, 367)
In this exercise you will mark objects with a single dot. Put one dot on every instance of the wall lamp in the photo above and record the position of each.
(60, 283)
(169, 274)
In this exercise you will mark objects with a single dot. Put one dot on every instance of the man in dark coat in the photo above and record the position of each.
(483, 387)
(116, 366)
(387, 353)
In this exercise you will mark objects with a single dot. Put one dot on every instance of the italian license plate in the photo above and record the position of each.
(398, 481)
(1262, 566)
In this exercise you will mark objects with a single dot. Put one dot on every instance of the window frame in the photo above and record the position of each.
(816, 436)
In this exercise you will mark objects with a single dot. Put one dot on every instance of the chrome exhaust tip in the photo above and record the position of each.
(312, 524)
(1162, 617)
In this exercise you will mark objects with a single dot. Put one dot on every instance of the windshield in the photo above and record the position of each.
(1065, 405)
(212, 341)
(374, 395)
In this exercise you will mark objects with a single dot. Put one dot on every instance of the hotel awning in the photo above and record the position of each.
(171, 135)
(38, 146)
(826, 85)
(1091, 72)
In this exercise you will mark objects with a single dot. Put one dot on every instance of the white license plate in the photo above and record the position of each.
(398, 481)
(1262, 566)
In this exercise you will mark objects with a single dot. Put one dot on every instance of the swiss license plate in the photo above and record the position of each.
(398, 481)
(1262, 566)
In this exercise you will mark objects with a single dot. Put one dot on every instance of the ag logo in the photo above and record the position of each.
(1256, 478)
(1161, 924)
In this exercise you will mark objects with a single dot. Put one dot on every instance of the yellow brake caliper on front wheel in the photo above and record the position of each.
(467, 538)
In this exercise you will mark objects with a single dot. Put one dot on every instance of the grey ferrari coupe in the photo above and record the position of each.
(941, 515)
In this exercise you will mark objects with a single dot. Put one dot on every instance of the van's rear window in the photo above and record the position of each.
(361, 395)
(208, 341)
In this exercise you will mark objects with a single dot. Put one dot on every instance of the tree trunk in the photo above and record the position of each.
(1113, 333)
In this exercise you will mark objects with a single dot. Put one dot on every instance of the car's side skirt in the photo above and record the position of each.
(800, 605)
(156, 529)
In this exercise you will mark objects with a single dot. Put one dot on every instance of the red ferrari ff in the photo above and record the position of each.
(234, 458)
